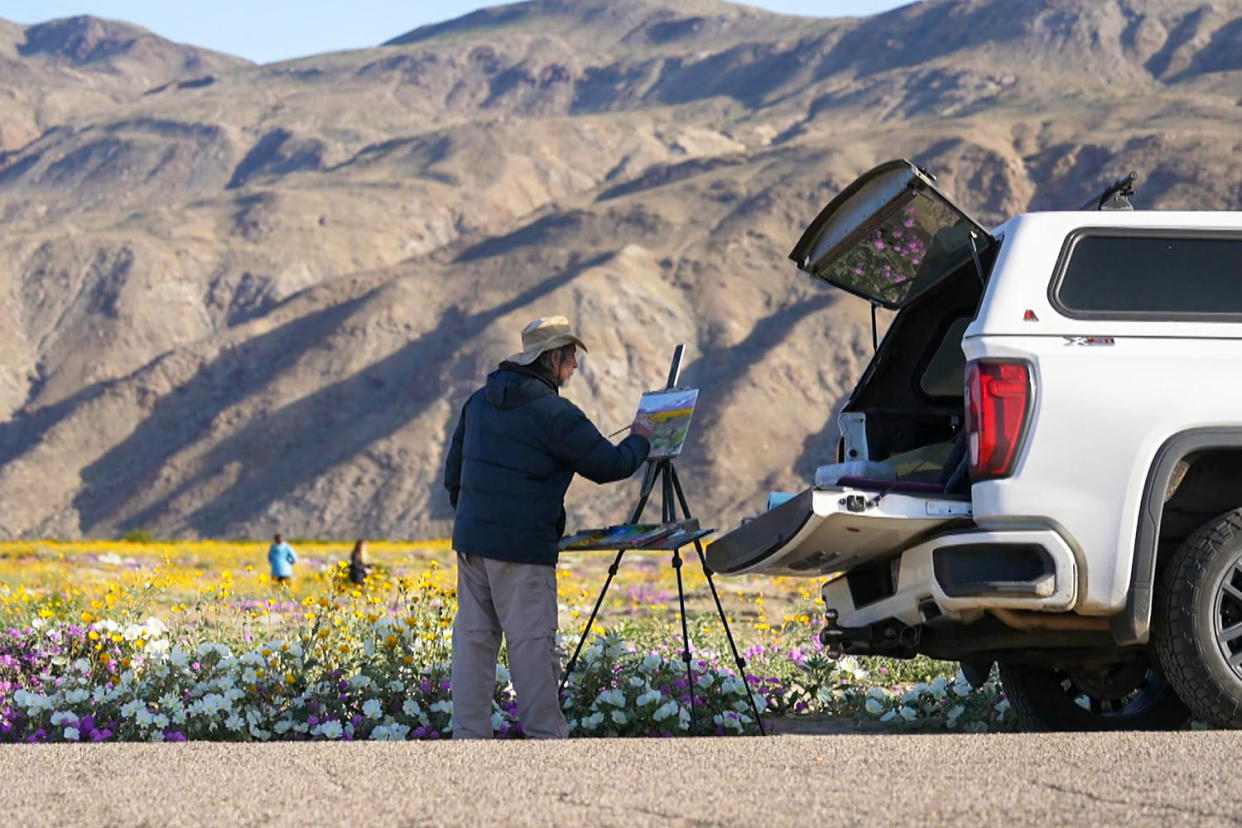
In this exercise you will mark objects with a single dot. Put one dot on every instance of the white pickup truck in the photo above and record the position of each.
(1041, 466)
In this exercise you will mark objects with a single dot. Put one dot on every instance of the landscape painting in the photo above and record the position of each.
(670, 413)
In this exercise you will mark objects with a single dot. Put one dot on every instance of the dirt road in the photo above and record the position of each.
(828, 780)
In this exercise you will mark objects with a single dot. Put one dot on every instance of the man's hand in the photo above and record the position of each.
(642, 427)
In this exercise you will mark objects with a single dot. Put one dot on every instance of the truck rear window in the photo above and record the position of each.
(1148, 273)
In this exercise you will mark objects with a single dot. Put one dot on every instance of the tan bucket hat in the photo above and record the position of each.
(545, 334)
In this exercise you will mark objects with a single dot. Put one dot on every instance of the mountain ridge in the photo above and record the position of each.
(255, 297)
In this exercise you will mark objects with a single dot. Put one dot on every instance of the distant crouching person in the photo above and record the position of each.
(358, 568)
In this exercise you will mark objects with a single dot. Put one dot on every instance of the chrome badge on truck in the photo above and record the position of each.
(1089, 340)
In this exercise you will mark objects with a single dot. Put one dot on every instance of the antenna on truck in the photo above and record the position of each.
(1116, 196)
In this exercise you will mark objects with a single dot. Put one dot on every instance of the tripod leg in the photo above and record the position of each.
(724, 620)
(573, 660)
(670, 514)
(644, 494)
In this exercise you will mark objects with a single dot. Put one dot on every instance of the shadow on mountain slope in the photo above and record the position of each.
(719, 372)
(300, 442)
(185, 415)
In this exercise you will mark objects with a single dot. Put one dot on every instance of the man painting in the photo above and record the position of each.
(516, 447)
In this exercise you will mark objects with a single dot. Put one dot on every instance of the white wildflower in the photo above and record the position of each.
(62, 716)
(33, 702)
(179, 658)
(650, 697)
(155, 626)
(212, 703)
(851, 665)
(613, 697)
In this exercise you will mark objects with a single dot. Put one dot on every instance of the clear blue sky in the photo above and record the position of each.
(269, 30)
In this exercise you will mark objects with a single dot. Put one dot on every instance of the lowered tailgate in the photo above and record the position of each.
(832, 530)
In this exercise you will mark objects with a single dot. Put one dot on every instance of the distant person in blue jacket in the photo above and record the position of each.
(282, 558)
(516, 447)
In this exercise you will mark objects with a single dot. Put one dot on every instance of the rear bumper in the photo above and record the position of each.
(958, 576)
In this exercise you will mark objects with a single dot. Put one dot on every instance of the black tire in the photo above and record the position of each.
(1197, 603)
(1135, 696)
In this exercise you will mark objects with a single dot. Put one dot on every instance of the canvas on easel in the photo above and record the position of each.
(669, 411)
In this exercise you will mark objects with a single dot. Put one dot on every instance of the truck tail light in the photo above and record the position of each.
(998, 408)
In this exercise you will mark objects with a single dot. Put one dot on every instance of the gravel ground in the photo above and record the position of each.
(850, 779)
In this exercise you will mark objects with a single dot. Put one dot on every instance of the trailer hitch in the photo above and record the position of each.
(889, 637)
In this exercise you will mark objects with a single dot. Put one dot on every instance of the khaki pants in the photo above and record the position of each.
(520, 601)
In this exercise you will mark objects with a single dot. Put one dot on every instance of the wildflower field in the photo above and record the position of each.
(168, 641)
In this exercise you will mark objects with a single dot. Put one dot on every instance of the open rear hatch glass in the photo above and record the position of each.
(835, 529)
(890, 236)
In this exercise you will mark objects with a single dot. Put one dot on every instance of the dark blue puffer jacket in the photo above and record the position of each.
(516, 447)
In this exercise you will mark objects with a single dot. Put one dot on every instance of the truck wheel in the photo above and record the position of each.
(1128, 696)
(1197, 620)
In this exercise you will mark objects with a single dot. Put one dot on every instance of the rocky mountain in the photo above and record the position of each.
(235, 298)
